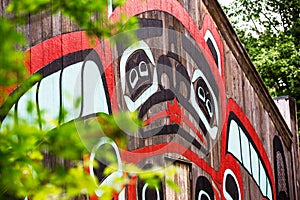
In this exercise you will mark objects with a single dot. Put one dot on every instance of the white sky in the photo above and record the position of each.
(225, 2)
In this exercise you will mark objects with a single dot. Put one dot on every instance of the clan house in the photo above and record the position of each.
(204, 107)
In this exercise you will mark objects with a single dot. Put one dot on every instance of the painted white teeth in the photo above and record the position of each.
(244, 151)
(48, 96)
(71, 78)
(234, 146)
(73, 82)
(93, 90)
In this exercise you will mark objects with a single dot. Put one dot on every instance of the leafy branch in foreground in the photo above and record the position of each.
(91, 16)
(49, 165)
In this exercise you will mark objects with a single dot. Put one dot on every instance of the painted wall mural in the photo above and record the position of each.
(174, 77)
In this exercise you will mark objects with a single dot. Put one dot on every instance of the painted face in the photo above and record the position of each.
(172, 87)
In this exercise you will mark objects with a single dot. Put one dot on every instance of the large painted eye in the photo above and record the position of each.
(138, 78)
(138, 75)
(204, 98)
(205, 103)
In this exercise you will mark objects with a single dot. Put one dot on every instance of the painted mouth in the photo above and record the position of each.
(242, 147)
(170, 117)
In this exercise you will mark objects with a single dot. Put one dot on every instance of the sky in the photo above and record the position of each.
(225, 2)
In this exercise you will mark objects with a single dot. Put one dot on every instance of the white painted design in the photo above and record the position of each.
(209, 107)
(49, 100)
(71, 91)
(109, 7)
(269, 190)
(144, 192)
(9, 118)
(29, 96)
(143, 69)
(202, 193)
(201, 94)
(133, 77)
(133, 105)
(212, 130)
(94, 97)
(122, 195)
(262, 179)
(245, 151)
(234, 140)
(209, 35)
(250, 158)
(254, 164)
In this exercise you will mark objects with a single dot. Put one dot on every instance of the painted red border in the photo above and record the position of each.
(56, 47)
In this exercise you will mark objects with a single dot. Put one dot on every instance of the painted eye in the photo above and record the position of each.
(138, 75)
(143, 69)
(204, 98)
(201, 94)
(209, 107)
(133, 77)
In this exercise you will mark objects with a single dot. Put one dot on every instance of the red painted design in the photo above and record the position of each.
(174, 112)
(54, 48)
(46, 52)
(233, 106)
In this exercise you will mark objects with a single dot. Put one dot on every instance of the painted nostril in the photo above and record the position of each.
(165, 81)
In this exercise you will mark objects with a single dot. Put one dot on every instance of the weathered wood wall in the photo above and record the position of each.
(252, 155)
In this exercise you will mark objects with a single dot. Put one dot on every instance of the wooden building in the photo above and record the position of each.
(205, 108)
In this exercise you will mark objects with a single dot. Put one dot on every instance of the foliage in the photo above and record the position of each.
(90, 15)
(24, 171)
(11, 60)
(270, 32)
(24, 149)
(22, 168)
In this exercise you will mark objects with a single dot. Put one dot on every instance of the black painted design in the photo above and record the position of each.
(176, 129)
(231, 187)
(104, 158)
(139, 72)
(212, 50)
(204, 190)
(63, 62)
(149, 193)
(281, 178)
(204, 98)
